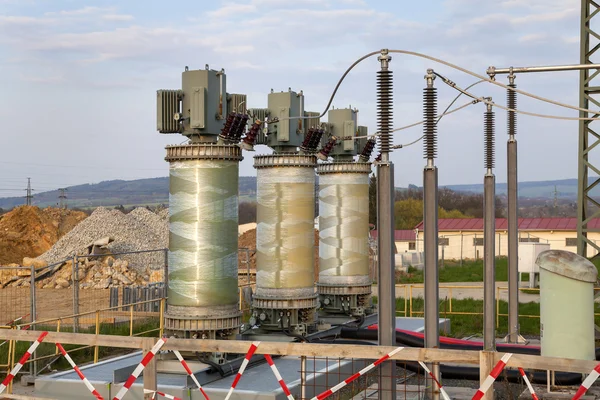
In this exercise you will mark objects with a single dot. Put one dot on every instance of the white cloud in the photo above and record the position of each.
(117, 17)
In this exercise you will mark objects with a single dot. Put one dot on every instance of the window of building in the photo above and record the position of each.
(477, 241)
(412, 245)
(444, 241)
(571, 242)
(529, 240)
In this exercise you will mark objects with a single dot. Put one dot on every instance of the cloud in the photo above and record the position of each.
(117, 17)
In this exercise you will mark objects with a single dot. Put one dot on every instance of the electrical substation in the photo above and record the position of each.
(292, 302)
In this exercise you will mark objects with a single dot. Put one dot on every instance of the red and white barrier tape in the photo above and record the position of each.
(278, 377)
(591, 378)
(166, 396)
(524, 375)
(21, 362)
(249, 355)
(190, 373)
(87, 383)
(138, 370)
(489, 381)
(356, 375)
(442, 391)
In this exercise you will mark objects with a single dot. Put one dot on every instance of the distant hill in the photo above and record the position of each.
(566, 188)
(151, 191)
(155, 191)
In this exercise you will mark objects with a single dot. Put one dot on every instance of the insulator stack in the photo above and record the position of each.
(250, 138)
(365, 155)
(429, 123)
(489, 142)
(236, 135)
(511, 101)
(324, 153)
(384, 108)
(378, 158)
(237, 121)
(316, 139)
(307, 139)
(228, 125)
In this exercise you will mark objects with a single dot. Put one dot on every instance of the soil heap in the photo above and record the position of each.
(28, 231)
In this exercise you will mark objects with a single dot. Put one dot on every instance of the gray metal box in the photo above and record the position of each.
(204, 103)
(286, 133)
(342, 123)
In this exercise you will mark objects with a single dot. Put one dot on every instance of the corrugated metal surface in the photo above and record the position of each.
(525, 224)
(399, 235)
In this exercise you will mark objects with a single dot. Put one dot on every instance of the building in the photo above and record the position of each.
(405, 240)
(463, 238)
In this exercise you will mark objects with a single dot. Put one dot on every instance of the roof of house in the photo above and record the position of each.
(526, 224)
(399, 235)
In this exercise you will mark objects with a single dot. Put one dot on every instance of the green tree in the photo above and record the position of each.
(408, 213)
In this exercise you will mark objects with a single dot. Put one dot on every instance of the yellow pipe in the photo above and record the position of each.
(96, 348)
(161, 316)
(131, 320)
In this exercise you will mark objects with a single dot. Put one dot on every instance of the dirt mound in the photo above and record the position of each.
(29, 231)
(248, 240)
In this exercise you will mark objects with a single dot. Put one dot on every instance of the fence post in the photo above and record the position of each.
(486, 364)
(75, 279)
(461, 248)
(96, 349)
(33, 312)
(150, 370)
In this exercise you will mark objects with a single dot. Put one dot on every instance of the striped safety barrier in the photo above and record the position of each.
(190, 373)
(442, 391)
(489, 381)
(357, 375)
(589, 381)
(524, 375)
(87, 383)
(166, 396)
(249, 355)
(279, 377)
(138, 370)
(22, 361)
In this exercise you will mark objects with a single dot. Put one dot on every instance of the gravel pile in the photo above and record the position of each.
(139, 230)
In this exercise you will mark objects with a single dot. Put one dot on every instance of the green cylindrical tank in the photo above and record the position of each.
(566, 305)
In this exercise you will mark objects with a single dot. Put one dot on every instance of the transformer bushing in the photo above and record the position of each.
(344, 285)
(203, 298)
(285, 297)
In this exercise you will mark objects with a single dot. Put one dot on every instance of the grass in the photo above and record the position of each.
(470, 324)
(470, 271)
(82, 356)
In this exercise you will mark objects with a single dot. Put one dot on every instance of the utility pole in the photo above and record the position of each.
(555, 211)
(385, 224)
(62, 198)
(489, 233)
(29, 197)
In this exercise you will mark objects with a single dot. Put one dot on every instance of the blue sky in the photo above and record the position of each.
(79, 77)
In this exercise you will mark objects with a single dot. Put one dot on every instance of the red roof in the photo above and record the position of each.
(399, 235)
(526, 224)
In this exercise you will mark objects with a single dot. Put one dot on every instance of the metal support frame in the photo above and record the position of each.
(385, 239)
(489, 235)
(589, 138)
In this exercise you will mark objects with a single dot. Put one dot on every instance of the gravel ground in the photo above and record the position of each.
(139, 230)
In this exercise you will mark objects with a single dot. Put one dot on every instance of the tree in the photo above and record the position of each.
(247, 212)
(408, 213)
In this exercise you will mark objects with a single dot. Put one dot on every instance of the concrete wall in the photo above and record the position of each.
(469, 245)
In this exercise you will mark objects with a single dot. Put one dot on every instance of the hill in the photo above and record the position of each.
(155, 191)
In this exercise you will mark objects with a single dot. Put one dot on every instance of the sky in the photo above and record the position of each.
(79, 78)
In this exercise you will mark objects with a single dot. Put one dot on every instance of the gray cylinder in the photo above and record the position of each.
(285, 226)
(344, 224)
(203, 226)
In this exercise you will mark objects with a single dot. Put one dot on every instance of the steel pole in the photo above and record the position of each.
(489, 254)
(385, 239)
(430, 231)
(513, 243)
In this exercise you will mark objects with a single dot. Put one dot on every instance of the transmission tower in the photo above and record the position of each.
(29, 197)
(589, 133)
(62, 199)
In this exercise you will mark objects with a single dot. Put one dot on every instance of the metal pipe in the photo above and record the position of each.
(385, 224)
(75, 278)
(489, 252)
(513, 242)
(430, 228)
(548, 68)
(33, 313)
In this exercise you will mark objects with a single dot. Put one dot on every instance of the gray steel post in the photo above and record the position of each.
(385, 239)
(75, 279)
(513, 243)
(489, 234)
(33, 312)
(430, 228)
